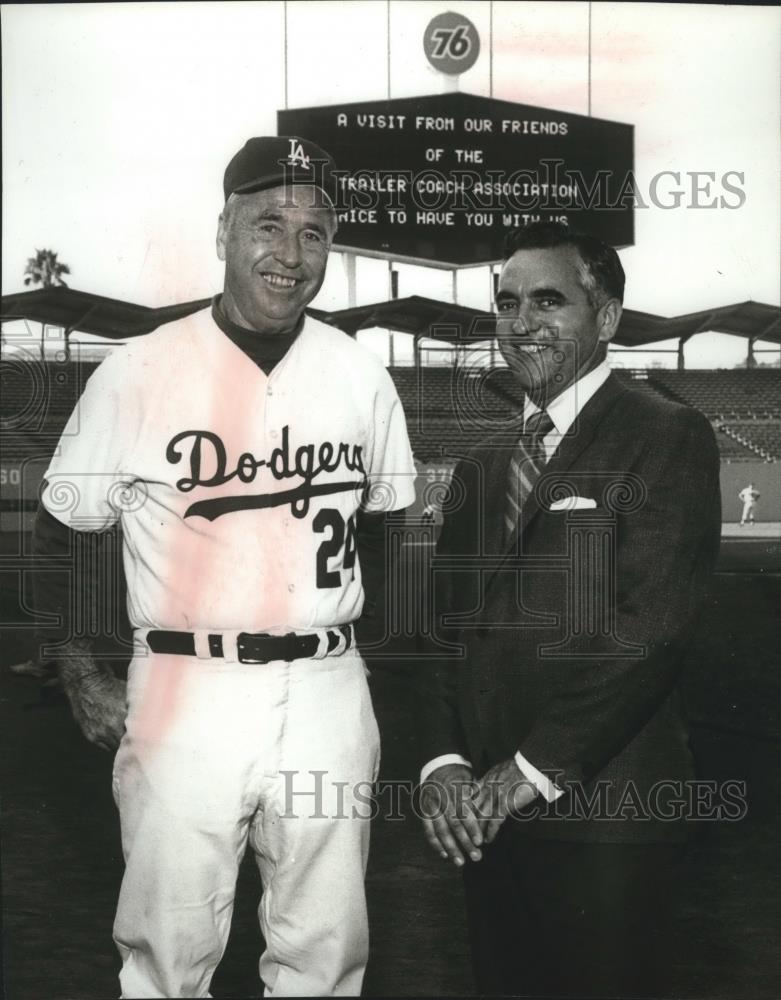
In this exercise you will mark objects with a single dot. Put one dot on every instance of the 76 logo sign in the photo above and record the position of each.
(454, 42)
(451, 43)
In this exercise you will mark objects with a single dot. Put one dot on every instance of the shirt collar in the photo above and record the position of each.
(565, 408)
(265, 349)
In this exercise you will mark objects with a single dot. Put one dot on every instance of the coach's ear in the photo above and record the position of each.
(608, 318)
(222, 235)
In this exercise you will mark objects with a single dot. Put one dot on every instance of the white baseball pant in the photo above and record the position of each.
(217, 755)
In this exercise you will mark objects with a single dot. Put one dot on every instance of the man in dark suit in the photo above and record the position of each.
(568, 576)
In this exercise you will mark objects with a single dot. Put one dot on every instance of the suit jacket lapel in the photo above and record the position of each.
(497, 463)
(579, 437)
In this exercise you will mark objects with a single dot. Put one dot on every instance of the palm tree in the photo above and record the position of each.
(44, 269)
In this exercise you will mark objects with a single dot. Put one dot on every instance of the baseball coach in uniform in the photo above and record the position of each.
(250, 454)
(571, 572)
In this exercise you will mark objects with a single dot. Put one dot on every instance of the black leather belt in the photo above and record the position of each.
(253, 647)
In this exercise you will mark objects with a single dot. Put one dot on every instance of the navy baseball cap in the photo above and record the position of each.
(275, 161)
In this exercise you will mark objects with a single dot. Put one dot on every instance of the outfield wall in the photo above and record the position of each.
(21, 478)
(766, 477)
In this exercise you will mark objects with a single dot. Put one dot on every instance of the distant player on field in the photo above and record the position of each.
(748, 496)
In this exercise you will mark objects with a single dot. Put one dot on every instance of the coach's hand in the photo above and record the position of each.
(450, 822)
(502, 789)
(98, 699)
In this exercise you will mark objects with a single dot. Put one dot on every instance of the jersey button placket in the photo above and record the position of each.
(272, 433)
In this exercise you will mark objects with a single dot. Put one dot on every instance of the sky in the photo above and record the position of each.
(118, 120)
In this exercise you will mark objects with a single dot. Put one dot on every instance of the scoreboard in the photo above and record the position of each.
(440, 179)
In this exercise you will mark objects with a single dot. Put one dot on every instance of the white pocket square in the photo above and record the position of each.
(574, 503)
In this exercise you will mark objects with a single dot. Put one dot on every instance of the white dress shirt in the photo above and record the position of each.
(563, 411)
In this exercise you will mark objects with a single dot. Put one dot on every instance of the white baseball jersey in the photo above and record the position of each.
(237, 491)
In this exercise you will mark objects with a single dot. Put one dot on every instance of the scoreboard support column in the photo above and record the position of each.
(352, 286)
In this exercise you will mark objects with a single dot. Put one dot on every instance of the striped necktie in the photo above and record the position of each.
(526, 464)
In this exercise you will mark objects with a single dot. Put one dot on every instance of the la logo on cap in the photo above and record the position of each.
(297, 155)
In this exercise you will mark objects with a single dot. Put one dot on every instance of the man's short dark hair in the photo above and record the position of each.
(602, 275)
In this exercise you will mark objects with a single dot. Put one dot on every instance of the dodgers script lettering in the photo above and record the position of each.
(208, 465)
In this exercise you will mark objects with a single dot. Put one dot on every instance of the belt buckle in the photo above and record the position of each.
(288, 646)
(241, 647)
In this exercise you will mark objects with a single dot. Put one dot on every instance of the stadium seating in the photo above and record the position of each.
(37, 397)
(763, 438)
(448, 409)
(745, 405)
(739, 394)
(637, 378)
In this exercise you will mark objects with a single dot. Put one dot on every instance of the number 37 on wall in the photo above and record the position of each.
(341, 534)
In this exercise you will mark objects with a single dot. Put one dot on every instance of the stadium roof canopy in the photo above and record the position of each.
(424, 317)
(90, 313)
(415, 314)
